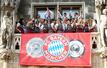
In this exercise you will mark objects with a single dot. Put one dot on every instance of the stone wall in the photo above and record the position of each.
(23, 10)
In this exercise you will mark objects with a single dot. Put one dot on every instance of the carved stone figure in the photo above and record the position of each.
(103, 28)
(7, 31)
(6, 25)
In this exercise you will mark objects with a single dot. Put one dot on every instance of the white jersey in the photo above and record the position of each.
(56, 26)
(52, 25)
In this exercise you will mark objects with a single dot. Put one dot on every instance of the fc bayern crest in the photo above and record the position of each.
(76, 48)
(56, 48)
(34, 47)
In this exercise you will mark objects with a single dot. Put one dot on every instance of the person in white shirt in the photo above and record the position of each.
(91, 24)
(65, 16)
(65, 24)
(54, 26)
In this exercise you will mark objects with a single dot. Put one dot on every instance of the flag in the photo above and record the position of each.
(66, 49)
(59, 16)
(49, 14)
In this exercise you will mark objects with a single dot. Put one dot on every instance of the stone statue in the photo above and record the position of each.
(6, 25)
(7, 30)
(103, 28)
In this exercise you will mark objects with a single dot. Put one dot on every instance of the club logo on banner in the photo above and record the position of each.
(56, 48)
(76, 48)
(34, 46)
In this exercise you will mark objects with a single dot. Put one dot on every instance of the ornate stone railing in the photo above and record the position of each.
(17, 43)
(95, 42)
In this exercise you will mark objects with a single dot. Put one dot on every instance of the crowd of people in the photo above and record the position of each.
(55, 26)
(60, 25)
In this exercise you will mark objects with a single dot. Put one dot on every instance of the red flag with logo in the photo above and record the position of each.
(64, 49)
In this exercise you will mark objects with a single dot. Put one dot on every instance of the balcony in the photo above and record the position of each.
(96, 60)
(95, 42)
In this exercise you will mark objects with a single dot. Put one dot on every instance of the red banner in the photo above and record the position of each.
(60, 49)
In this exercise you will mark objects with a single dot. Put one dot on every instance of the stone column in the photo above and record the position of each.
(5, 65)
(98, 12)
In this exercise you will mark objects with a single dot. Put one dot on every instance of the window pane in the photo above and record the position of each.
(70, 13)
(42, 14)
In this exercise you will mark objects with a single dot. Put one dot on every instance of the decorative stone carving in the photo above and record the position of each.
(103, 54)
(103, 28)
(6, 54)
(98, 4)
